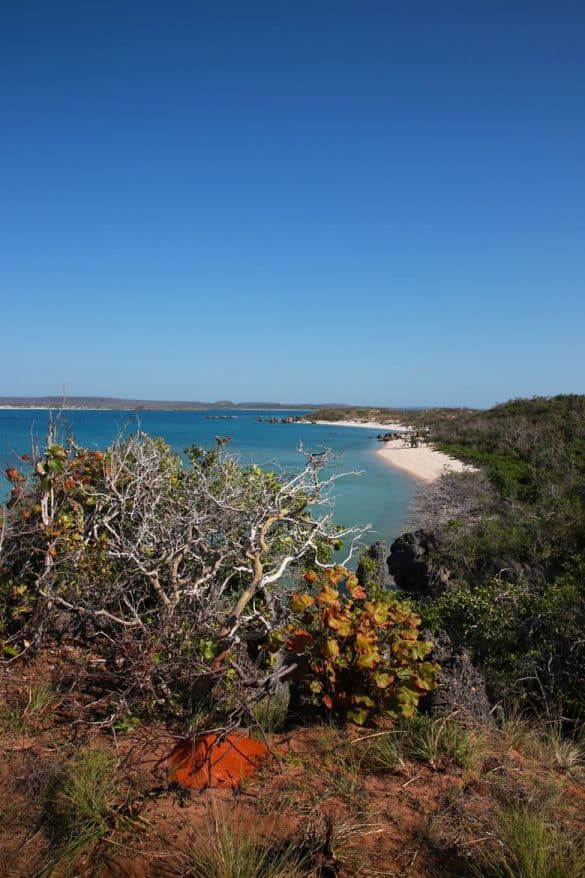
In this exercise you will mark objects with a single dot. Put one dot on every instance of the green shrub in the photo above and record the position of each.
(165, 556)
(527, 638)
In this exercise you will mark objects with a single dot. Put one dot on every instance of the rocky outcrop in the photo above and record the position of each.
(411, 564)
(371, 570)
(461, 690)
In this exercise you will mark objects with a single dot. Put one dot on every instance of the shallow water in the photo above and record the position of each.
(379, 496)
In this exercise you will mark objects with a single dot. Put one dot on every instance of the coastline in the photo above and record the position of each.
(424, 463)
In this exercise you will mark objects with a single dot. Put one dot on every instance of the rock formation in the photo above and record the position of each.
(461, 690)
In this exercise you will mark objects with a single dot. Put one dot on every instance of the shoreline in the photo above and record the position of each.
(424, 463)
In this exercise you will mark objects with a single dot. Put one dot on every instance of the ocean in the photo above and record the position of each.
(379, 496)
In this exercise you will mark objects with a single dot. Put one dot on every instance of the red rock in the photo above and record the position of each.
(204, 763)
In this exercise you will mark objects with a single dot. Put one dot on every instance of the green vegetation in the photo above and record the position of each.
(513, 540)
(420, 738)
(527, 844)
(229, 850)
(78, 802)
(166, 568)
(30, 710)
(164, 596)
(270, 713)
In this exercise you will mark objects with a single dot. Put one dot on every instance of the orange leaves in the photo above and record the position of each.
(328, 597)
(366, 647)
(337, 621)
(364, 657)
(12, 474)
(355, 589)
(301, 602)
(378, 611)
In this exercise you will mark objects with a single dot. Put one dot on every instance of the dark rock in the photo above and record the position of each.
(371, 570)
(411, 564)
(301, 708)
(461, 690)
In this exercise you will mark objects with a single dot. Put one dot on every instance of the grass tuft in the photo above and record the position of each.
(427, 739)
(526, 844)
(270, 714)
(422, 739)
(548, 742)
(78, 810)
(229, 850)
(30, 709)
(383, 753)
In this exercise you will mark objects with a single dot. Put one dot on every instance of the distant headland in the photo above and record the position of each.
(107, 402)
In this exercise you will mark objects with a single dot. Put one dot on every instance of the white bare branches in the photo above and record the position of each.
(176, 566)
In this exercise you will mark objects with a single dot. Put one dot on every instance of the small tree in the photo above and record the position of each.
(178, 567)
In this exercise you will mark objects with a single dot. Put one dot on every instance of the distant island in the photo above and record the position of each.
(107, 402)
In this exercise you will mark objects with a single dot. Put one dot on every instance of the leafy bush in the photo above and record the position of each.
(527, 638)
(173, 570)
(362, 657)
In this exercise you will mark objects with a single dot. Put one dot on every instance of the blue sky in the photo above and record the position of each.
(374, 202)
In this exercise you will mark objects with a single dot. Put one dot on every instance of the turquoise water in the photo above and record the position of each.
(380, 496)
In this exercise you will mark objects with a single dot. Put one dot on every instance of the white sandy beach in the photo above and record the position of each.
(424, 462)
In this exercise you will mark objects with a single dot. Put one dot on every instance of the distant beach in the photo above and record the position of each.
(378, 496)
(423, 462)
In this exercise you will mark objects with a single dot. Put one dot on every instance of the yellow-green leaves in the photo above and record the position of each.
(365, 657)
(301, 602)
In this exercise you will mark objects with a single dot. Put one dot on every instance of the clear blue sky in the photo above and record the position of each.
(378, 202)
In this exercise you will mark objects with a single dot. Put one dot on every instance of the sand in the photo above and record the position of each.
(423, 463)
